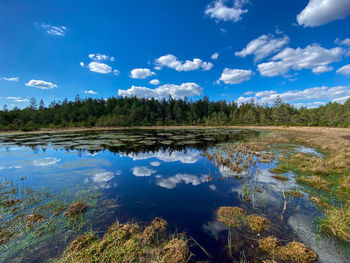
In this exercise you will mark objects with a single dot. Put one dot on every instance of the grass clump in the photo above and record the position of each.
(127, 243)
(315, 182)
(295, 193)
(258, 223)
(280, 177)
(76, 210)
(34, 219)
(232, 216)
(294, 252)
(337, 223)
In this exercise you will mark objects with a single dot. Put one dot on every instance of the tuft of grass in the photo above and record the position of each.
(280, 177)
(295, 193)
(292, 252)
(76, 210)
(127, 243)
(337, 223)
(315, 182)
(258, 223)
(232, 216)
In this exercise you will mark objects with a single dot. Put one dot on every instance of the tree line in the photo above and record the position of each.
(133, 111)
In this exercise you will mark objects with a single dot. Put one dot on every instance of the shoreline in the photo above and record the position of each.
(281, 128)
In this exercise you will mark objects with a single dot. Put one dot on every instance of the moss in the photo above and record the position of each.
(294, 252)
(231, 216)
(337, 223)
(127, 243)
(258, 223)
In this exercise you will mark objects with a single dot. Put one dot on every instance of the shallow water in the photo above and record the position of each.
(142, 174)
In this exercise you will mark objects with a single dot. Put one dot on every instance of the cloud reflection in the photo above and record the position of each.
(173, 181)
(46, 161)
(141, 171)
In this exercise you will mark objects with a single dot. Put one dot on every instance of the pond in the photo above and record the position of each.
(137, 175)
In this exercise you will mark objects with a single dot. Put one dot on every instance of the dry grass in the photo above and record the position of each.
(34, 219)
(315, 181)
(280, 178)
(292, 252)
(258, 223)
(232, 216)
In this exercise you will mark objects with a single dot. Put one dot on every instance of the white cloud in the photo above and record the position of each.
(40, 84)
(82, 64)
(263, 46)
(154, 82)
(155, 163)
(212, 187)
(312, 57)
(173, 181)
(91, 92)
(55, 30)
(320, 12)
(142, 171)
(218, 10)
(215, 56)
(46, 161)
(189, 157)
(116, 72)
(141, 73)
(235, 76)
(99, 67)
(171, 61)
(102, 178)
(344, 42)
(17, 99)
(308, 97)
(176, 91)
(344, 70)
(10, 79)
(100, 57)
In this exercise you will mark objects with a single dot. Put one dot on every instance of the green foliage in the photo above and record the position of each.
(124, 111)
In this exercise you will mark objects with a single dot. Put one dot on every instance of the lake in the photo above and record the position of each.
(140, 174)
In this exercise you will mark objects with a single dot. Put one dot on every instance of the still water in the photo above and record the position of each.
(142, 174)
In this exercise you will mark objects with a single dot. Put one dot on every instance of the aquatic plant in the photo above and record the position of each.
(231, 216)
(258, 223)
(280, 177)
(128, 243)
(76, 210)
(294, 252)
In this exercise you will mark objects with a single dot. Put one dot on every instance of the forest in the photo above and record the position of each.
(133, 111)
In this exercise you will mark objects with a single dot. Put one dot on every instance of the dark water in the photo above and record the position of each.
(142, 174)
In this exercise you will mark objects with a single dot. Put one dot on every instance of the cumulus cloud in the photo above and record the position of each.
(17, 99)
(219, 11)
(312, 57)
(10, 79)
(46, 161)
(141, 73)
(320, 12)
(91, 92)
(235, 76)
(308, 97)
(173, 181)
(55, 30)
(344, 42)
(263, 46)
(82, 64)
(154, 82)
(116, 72)
(215, 56)
(142, 171)
(344, 70)
(171, 61)
(155, 163)
(176, 91)
(102, 178)
(100, 57)
(40, 84)
(99, 67)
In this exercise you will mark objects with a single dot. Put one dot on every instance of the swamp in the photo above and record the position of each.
(252, 194)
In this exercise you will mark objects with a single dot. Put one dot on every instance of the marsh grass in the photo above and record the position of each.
(128, 243)
(336, 223)
(292, 252)
(258, 223)
(231, 216)
(280, 178)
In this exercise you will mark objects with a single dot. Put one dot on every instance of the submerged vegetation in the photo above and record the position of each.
(129, 242)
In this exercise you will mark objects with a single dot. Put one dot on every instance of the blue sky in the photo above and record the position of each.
(233, 50)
